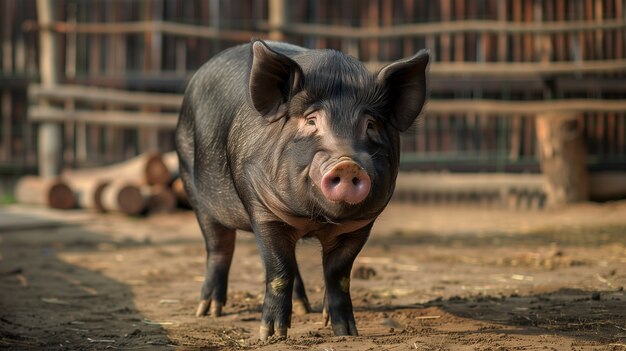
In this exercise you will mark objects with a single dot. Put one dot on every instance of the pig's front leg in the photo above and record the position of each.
(277, 245)
(338, 256)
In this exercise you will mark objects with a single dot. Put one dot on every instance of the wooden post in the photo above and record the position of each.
(277, 19)
(563, 158)
(49, 137)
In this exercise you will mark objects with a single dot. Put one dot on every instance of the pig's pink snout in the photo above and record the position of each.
(346, 182)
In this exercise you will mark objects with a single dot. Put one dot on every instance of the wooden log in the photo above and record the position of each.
(170, 159)
(88, 191)
(605, 186)
(179, 192)
(563, 158)
(147, 169)
(161, 200)
(124, 195)
(51, 192)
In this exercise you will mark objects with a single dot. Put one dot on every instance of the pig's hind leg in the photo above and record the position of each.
(301, 305)
(220, 245)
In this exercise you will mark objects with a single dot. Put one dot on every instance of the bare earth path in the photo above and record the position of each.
(429, 279)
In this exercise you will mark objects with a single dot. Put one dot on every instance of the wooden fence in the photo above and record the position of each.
(496, 64)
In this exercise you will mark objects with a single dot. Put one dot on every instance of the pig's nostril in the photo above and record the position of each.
(345, 182)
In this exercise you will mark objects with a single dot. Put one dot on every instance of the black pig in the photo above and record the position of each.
(288, 143)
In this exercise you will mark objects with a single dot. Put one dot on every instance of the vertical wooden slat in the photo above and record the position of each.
(589, 36)
(600, 133)
(611, 131)
(543, 42)
(560, 37)
(7, 68)
(7, 33)
(148, 137)
(459, 39)
(528, 38)
(409, 12)
(599, 34)
(349, 46)
(503, 43)
(277, 19)
(517, 38)
(609, 34)
(431, 40)
(387, 21)
(621, 133)
(373, 24)
(81, 130)
(6, 125)
(445, 38)
(49, 136)
(619, 34)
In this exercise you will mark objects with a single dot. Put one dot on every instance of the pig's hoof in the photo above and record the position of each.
(216, 308)
(212, 307)
(345, 328)
(267, 330)
(203, 308)
(325, 316)
(301, 307)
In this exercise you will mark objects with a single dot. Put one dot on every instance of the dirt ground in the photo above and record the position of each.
(429, 279)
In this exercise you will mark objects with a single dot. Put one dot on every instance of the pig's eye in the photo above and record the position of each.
(310, 121)
(370, 124)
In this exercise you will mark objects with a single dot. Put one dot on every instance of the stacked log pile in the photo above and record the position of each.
(145, 184)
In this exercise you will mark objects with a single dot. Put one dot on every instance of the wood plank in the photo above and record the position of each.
(104, 95)
(109, 118)
(518, 69)
(310, 29)
(499, 107)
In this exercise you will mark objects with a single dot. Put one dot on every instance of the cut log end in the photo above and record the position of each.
(130, 200)
(179, 191)
(156, 171)
(51, 192)
(60, 196)
(162, 200)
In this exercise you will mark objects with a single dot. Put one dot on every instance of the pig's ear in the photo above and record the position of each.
(405, 83)
(274, 79)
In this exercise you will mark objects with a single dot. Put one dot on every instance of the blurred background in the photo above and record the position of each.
(527, 101)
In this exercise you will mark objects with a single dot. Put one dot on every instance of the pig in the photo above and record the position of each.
(289, 143)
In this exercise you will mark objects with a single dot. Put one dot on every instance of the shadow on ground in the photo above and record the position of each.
(47, 303)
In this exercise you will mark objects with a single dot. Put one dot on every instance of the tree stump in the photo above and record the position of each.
(563, 158)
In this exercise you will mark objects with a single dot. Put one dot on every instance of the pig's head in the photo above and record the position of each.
(336, 128)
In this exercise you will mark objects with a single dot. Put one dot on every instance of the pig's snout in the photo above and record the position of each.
(346, 182)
